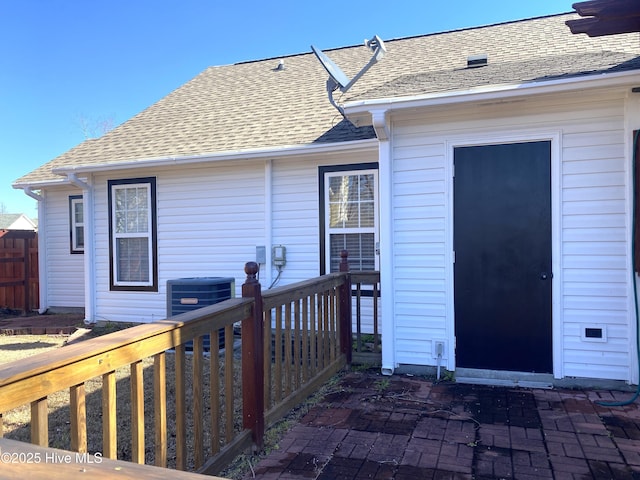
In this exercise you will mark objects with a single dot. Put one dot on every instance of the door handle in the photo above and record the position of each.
(545, 275)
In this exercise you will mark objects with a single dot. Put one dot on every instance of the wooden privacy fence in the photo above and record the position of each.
(188, 410)
(19, 270)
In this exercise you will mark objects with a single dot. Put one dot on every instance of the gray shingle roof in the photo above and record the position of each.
(253, 105)
(531, 70)
(7, 219)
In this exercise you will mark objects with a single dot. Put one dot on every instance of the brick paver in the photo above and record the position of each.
(415, 429)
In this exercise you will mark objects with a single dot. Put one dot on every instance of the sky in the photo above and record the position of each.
(71, 69)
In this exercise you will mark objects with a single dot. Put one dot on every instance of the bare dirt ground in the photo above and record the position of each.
(17, 347)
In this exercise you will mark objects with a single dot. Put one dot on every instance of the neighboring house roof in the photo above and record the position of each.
(16, 221)
(255, 105)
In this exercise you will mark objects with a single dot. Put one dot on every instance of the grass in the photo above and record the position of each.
(382, 384)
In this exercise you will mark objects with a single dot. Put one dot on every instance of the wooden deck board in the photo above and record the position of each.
(23, 460)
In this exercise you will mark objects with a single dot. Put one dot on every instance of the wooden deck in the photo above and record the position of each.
(19, 460)
(293, 339)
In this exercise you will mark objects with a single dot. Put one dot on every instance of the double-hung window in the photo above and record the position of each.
(76, 223)
(350, 210)
(132, 228)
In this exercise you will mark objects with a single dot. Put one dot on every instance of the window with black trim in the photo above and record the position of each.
(349, 213)
(132, 232)
(76, 224)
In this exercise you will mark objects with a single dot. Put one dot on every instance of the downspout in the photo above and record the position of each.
(89, 248)
(42, 250)
(268, 220)
(385, 175)
(36, 196)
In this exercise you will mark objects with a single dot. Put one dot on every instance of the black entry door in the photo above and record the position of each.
(502, 270)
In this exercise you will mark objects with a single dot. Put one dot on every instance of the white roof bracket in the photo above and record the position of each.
(380, 124)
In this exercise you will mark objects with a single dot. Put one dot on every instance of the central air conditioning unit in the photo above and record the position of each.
(188, 294)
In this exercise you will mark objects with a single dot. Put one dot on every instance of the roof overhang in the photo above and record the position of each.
(29, 188)
(365, 112)
(253, 154)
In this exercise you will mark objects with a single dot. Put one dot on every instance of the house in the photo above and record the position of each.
(486, 172)
(16, 221)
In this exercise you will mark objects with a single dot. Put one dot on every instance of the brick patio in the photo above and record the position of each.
(401, 427)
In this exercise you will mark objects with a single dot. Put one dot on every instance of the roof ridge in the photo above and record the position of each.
(478, 27)
(410, 37)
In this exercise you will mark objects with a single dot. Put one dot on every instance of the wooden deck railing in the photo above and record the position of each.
(367, 345)
(292, 339)
(306, 340)
(33, 380)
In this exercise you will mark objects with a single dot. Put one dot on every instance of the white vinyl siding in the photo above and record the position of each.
(596, 275)
(591, 226)
(210, 220)
(64, 272)
(295, 217)
(419, 217)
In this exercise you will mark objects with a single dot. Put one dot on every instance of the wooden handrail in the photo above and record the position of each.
(295, 291)
(312, 338)
(22, 381)
(365, 277)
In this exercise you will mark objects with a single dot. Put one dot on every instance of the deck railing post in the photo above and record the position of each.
(346, 334)
(252, 358)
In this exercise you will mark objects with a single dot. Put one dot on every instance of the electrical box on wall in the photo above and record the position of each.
(261, 254)
(279, 255)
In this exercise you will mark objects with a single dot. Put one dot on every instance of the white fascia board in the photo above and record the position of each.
(266, 153)
(38, 185)
(492, 93)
